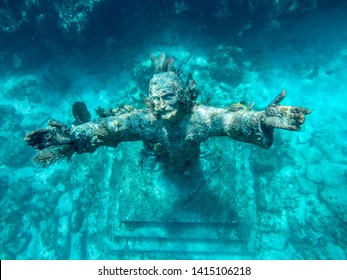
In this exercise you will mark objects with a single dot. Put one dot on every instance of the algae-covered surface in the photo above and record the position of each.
(239, 201)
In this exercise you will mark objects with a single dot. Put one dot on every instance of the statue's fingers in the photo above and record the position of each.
(300, 119)
(305, 111)
(32, 139)
(296, 119)
(38, 139)
(55, 123)
(33, 135)
(293, 127)
(29, 137)
(289, 124)
(300, 110)
(279, 98)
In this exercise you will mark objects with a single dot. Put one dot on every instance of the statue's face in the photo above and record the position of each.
(164, 93)
(166, 104)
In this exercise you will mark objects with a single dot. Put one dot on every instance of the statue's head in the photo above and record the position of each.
(169, 97)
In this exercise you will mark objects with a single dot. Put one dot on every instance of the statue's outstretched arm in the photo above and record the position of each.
(257, 126)
(57, 141)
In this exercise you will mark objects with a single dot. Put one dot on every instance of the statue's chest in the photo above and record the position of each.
(173, 141)
(174, 146)
(172, 137)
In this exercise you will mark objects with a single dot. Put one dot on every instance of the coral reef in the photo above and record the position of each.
(72, 14)
(225, 64)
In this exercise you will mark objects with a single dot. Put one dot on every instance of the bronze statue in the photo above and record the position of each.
(172, 127)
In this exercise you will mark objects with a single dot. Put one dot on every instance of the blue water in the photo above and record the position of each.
(288, 202)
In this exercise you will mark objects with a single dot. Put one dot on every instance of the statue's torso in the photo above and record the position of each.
(175, 143)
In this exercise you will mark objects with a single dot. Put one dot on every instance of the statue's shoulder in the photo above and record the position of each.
(200, 109)
(200, 113)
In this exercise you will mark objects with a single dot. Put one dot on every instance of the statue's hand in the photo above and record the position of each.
(56, 134)
(55, 143)
(284, 117)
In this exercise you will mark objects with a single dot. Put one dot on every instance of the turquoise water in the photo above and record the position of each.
(288, 202)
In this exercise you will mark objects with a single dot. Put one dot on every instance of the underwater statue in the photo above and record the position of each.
(171, 127)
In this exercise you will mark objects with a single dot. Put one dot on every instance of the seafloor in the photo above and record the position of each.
(288, 202)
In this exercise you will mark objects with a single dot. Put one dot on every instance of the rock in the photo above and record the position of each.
(143, 73)
(312, 154)
(77, 217)
(64, 206)
(62, 245)
(22, 87)
(274, 241)
(335, 252)
(288, 174)
(270, 223)
(10, 119)
(335, 197)
(288, 254)
(18, 244)
(332, 174)
(3, 181)
(314, 173)
(225, 64)
(16, 154)
(306, 186)
(198, 62)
